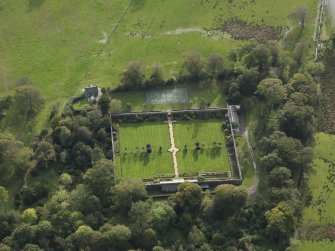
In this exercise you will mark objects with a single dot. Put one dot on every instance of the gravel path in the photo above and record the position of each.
(173, 148)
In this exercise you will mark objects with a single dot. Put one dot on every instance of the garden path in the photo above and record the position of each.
(173, 149)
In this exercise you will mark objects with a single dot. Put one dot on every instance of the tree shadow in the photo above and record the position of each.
(195, 155)
(34, 4)
(215, 153)
(145, 158)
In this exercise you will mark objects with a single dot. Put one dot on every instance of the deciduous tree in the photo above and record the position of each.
(193, 63)
(29, 100)
(133, 75)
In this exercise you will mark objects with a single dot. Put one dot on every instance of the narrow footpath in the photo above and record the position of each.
(173, 149)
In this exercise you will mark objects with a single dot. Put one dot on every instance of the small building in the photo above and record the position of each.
(91, 92)
(233, 116)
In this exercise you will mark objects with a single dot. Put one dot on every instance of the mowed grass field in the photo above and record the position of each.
(64, 45)
(136, 163)
(321, 182)
(207, 159)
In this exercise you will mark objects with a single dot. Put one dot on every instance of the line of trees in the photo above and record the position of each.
(193, 68)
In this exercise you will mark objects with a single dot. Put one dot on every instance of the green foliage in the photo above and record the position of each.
(3, 194)
(214, 66)
(29, 216)
(117, 237)
(272, 90)
(28, 100)
(103, 103)
(157, 75)
(127, 192)
(188, 198)
(281, 222)
(228, 200)
(133, 75)
(100, 179)
(193, 63)
(65, 179)
(14, 157)
(45, 152)
(162, 216)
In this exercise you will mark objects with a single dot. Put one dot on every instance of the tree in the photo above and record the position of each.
(297, 119)
(81, 238)
(280, 177)
(272, 90)
(188, 197)
(133, 75)
(304, 83)
(29, 216)
(127, 192)
(45, 153)
(193, 63)
(281, 222)
(64, 135)
(270, 161)
(228, 200)
(149, 239)
(214, 65)
(117, 237)
(156, 77)
(100, 179)
(21, 235)
(300, 52)
(14, 157)
(115, 106)
(29, 100)
(247, 81)
(299, 14)
(65, 179)
(103, 103)
(162, 215)
(259, 57)
(316, 69)
(3, 194)
(196, 238)
(83, 134)
(82, 156)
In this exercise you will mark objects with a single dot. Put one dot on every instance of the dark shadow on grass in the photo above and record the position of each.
(145, 158)
(215, 153)
(195, 155)
(34, 4)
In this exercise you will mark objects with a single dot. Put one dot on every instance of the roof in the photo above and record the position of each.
(91, 91)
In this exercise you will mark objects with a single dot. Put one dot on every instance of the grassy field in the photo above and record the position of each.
(325, 245)
(162, 31)
(213, 93)
(64, 45)
(322, 184)
(206, 160)
(245, 162)
(136, 162)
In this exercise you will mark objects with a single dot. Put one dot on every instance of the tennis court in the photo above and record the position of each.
(166, 96)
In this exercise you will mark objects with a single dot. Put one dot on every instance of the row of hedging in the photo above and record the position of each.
(162, 116)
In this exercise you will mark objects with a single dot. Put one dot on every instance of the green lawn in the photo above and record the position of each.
(205, 132)
(325, 245)
(319, 184)
(212, 93)
(245, 162)
(59, 44)
(135, 162)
